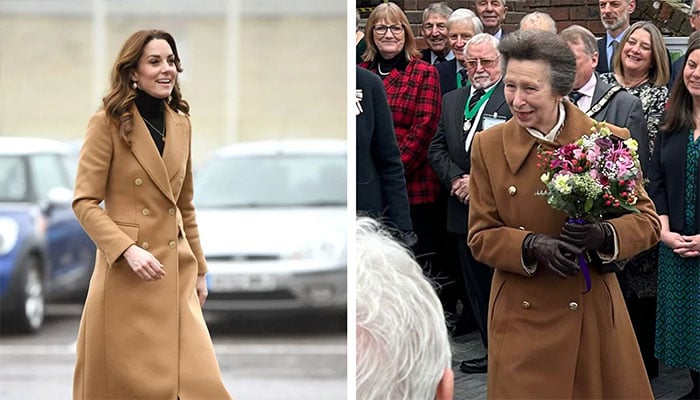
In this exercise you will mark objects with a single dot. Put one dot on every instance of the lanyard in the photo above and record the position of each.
(470, 113)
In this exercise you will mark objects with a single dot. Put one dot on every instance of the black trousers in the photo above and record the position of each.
(477, 277)
(643, 315)
(425, 224)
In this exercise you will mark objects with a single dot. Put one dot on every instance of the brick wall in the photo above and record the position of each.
(670, 16)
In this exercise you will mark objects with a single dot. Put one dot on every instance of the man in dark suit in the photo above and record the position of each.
(462, 25)
(615, 16)
(381, 186)
(434, 30)
(602, 101)
(466, 112)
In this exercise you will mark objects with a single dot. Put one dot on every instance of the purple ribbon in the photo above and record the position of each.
(582, 261)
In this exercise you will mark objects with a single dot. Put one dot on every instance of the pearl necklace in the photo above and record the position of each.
(379, 68)
(162, 135)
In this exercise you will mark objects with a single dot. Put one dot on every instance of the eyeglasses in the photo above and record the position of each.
(382, 29)
(695, 13)
(471, 64)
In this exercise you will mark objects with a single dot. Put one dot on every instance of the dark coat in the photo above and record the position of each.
(602, 66)
(381, 185)
(547, 339)
(624, 110)
(425, 55)
(448, 75)
(446, 153)
(667, 178)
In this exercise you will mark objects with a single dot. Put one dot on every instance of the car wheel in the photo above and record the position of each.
(29, 315)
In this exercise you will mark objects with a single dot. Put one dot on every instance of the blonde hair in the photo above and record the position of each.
(393, 13)
(659, 70)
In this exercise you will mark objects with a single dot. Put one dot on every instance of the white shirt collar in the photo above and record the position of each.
(434, 56)
(584, 103)
(552, 134)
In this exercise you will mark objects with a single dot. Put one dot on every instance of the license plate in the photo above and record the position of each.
(242, 283)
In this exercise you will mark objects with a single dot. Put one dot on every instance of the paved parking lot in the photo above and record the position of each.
(670, 384)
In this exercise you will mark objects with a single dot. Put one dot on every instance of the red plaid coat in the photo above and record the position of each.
(415, 101)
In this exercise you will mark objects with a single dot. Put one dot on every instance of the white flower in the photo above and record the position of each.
(632, 144)
(561, 184)
(545, 177)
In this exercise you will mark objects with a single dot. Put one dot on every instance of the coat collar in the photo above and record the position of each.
(160, 169)
(518, 146)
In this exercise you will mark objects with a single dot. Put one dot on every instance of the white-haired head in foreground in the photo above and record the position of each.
(403, 351)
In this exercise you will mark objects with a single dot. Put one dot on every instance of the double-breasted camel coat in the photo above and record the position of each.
(548, 340)
(140, 339)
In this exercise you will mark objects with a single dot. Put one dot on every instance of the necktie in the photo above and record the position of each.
(438, 60)
(475, 97)
(613, 44)
(463, 77)
(575, 96)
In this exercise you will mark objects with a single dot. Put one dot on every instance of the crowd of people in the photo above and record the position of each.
(459, 128)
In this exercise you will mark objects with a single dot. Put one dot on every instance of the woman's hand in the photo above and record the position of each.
(201, 286)
(683, 246)
(144, 264)
(690, 247)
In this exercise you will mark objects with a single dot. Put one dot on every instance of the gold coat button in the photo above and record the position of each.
(171, 211)
(512, 190)
(138, 181)
(144, 245)
(573, 306)
(171, 244)
(146, 211)
(526, 305)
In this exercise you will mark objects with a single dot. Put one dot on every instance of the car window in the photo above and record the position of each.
(48, 172)
(13, 179)
(272, 181)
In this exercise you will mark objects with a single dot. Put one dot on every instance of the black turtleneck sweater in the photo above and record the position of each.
(384, 66)
(151, 110)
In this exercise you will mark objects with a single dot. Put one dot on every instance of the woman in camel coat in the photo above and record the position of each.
(547, 339)
(142, 334)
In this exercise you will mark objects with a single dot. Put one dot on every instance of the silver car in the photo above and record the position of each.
(273, 225)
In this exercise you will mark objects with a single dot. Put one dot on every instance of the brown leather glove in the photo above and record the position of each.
(595, 236)
(553, 253)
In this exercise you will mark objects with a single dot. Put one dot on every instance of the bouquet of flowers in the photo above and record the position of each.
(598, 174)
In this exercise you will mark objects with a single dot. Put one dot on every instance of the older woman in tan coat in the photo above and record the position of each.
(547, 339)
(142, 333)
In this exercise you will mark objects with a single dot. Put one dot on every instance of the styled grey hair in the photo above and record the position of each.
(465, 15)
(482, 38)
(537, 17)
(436, 8)
(541, 46)
(578, 34)
(394, 296)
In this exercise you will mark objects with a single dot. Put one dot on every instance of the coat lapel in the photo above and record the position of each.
(176, 144)
(518, 143)
(458, 115)
(146, 153)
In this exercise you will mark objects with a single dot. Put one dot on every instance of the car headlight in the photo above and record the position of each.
(326, 249)
(9, 230)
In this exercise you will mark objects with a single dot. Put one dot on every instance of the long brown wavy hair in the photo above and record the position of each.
(121, 95)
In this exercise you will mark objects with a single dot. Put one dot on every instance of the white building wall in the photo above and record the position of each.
(284, 76)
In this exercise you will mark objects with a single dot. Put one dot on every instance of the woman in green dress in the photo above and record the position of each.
(674, 188)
